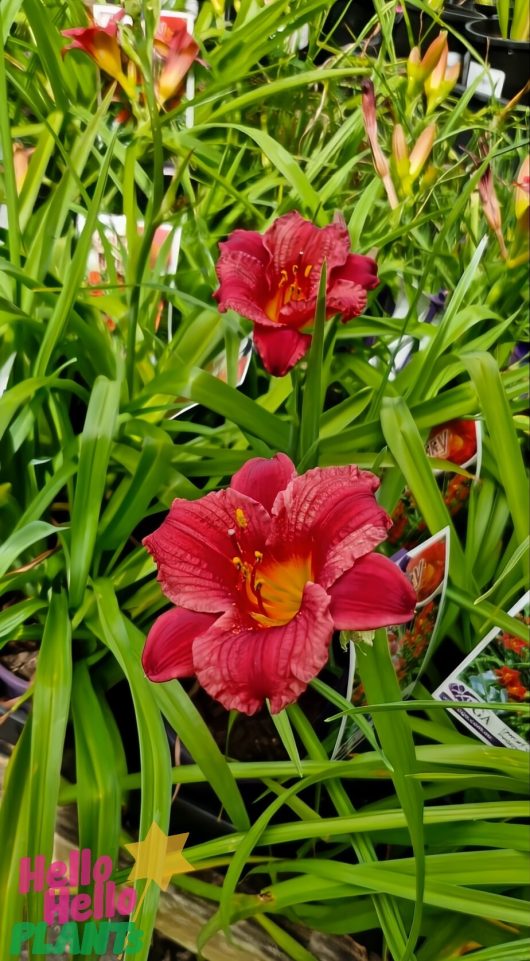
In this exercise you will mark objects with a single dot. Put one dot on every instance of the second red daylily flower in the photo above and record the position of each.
(273, 279)
(102, 46)
(262, 574)
(178, 50)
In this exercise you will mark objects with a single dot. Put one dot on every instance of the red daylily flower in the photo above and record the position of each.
(263, 572)
(273, 279)
(101, 44)
(178, 50)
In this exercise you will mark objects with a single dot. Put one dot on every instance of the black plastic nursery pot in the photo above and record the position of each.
(346, 19)
(487, 9)
(508, 61)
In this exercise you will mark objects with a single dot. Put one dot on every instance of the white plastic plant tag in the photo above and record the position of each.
(102, 13)
(491, 83)
(497, 671)
(107, 258)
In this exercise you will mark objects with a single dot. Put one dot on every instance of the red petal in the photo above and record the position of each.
(241, 665)
(243, 284)
(291, 236)
(333, 512)
(374, 593)
(280, 348)
(346, 299)
(298, 313)
(167, 651)
(358, 270)
(193, 548)
(262, 478)
(246, 242)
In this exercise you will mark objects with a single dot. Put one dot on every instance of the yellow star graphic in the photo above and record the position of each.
(158, 857)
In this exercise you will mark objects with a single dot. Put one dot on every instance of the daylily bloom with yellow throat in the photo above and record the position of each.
(273, 280)
(263, 573)
(102, 46)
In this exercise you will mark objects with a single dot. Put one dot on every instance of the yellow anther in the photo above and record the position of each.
(259, 556)
(237, 562)
(284, 277)
(241, 518)
(308, 270)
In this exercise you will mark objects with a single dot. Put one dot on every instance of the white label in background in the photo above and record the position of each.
(491, 83)
(102, 14)
(454, 58)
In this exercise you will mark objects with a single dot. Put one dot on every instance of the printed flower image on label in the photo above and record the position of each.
(107, 265)
(458, 442)
(410, 645)
(497, 671)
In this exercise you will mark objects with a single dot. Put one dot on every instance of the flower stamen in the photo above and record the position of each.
(241, 518)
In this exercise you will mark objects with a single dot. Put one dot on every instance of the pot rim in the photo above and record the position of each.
(495, 41)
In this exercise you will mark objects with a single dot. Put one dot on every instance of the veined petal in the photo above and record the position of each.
(333, 512)
(167, 651)
(374, 593)
(280, 348)
(291, 236)
(358, 270)
(195, 545)
(347, 299)
(298, 313)
(241, 666)
(243, 284)
(247, 242)
(262, 478)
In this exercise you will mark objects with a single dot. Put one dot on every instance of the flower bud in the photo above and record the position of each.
(522, 190)
(421, 150)
(21, 157)
(433, 53)
(491, 208)
(400, 153)
(441, 81)
(370, 125)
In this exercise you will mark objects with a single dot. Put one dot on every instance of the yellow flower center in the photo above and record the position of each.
(291, 287)
(273, 590)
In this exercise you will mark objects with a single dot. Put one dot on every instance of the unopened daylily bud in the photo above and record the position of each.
(522, 190)
(422, 150)
(21, 157)
(441, 81)
(414, 72)
(491, 208)
(419, 68)
(370, 125)
(434, 52)
(400, 153)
